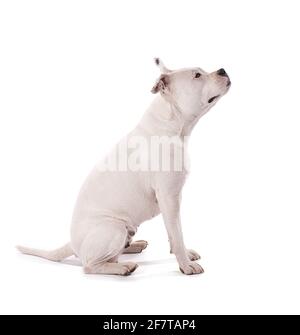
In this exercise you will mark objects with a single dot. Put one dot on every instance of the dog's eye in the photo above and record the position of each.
(198, 75)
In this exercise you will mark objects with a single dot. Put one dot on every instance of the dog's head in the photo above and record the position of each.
(193, 90)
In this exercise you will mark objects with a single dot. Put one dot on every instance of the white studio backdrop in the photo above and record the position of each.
(75, 76)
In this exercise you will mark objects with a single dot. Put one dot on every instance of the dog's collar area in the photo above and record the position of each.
(213, 98)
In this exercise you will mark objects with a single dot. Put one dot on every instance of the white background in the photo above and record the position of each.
(75, 76)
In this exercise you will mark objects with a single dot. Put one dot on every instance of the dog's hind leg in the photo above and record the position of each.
(122, 269)
(136, 247)
(101, 247)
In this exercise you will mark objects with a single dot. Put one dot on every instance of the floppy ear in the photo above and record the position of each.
(161, 84)
(161, 65)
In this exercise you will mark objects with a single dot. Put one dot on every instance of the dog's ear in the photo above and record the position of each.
(161, 84)
(161, 65)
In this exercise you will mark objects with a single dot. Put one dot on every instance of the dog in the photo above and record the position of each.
(112, 203)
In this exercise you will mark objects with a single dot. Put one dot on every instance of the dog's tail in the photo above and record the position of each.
(53, 255)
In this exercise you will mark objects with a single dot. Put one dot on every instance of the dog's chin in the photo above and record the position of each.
(217, 97)
(227, 87)
(224, 88)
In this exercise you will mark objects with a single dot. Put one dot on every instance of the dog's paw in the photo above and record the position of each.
(142, 244)
(191, 268)
(136, 247)
(193, 255)
(127, 268)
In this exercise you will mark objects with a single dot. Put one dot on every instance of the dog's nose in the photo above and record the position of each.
(222, 73)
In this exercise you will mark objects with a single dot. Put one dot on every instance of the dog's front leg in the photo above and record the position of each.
(170, 209)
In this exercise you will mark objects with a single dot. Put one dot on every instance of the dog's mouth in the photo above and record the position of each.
(213, 99)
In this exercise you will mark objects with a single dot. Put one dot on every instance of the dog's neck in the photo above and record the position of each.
(164, 117)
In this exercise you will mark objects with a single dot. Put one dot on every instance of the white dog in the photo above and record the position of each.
(112, 203)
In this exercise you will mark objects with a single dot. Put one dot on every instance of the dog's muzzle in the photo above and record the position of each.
(223, 73)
